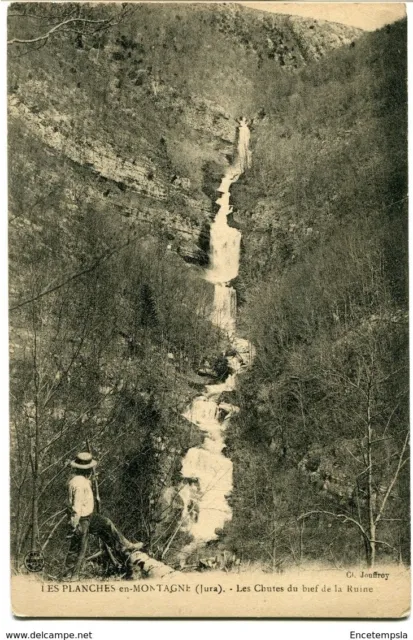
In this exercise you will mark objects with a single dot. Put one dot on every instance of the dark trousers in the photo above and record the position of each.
(108, 534)
(78, 547)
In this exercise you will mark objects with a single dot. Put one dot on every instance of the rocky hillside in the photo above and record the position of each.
(145, 105)
(122, 120)
(324, 281)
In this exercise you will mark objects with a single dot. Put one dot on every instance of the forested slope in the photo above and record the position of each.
(119, 132)
(320, 447)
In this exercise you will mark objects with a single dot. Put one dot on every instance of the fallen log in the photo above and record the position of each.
(137, 564)
(141, 565)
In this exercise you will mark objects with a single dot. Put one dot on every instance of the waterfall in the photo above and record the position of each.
(224, 308)
(225, 242)
(206, 467)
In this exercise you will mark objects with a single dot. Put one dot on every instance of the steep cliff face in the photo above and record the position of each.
(291, 41)
(118, 138)
(331, 123)
(145, 106)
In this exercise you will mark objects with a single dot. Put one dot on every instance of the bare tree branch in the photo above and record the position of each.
(399, 467)
(92, 267)
(74, 276)
(49, 537)
(57, 27)
(342, 516)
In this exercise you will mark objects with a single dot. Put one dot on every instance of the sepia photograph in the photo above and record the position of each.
(208, 309)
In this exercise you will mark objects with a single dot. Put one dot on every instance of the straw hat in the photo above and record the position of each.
(83, 460)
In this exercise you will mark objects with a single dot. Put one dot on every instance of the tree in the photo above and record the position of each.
(369, 393)
(70, 19)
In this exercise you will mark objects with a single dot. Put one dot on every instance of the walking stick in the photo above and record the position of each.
(94, 480)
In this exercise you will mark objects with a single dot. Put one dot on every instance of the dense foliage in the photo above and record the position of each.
(320, 447)
(107, 327)
(108, 324)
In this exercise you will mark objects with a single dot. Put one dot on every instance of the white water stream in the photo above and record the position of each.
(207, 466)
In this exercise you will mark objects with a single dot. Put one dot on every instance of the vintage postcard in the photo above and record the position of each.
(208, 268)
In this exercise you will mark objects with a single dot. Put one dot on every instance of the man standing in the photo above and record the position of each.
(81, 504)
(85, 521)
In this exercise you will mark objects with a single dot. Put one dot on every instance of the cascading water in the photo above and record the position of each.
(206, 465)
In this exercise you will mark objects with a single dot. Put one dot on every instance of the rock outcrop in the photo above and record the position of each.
(143, 141)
